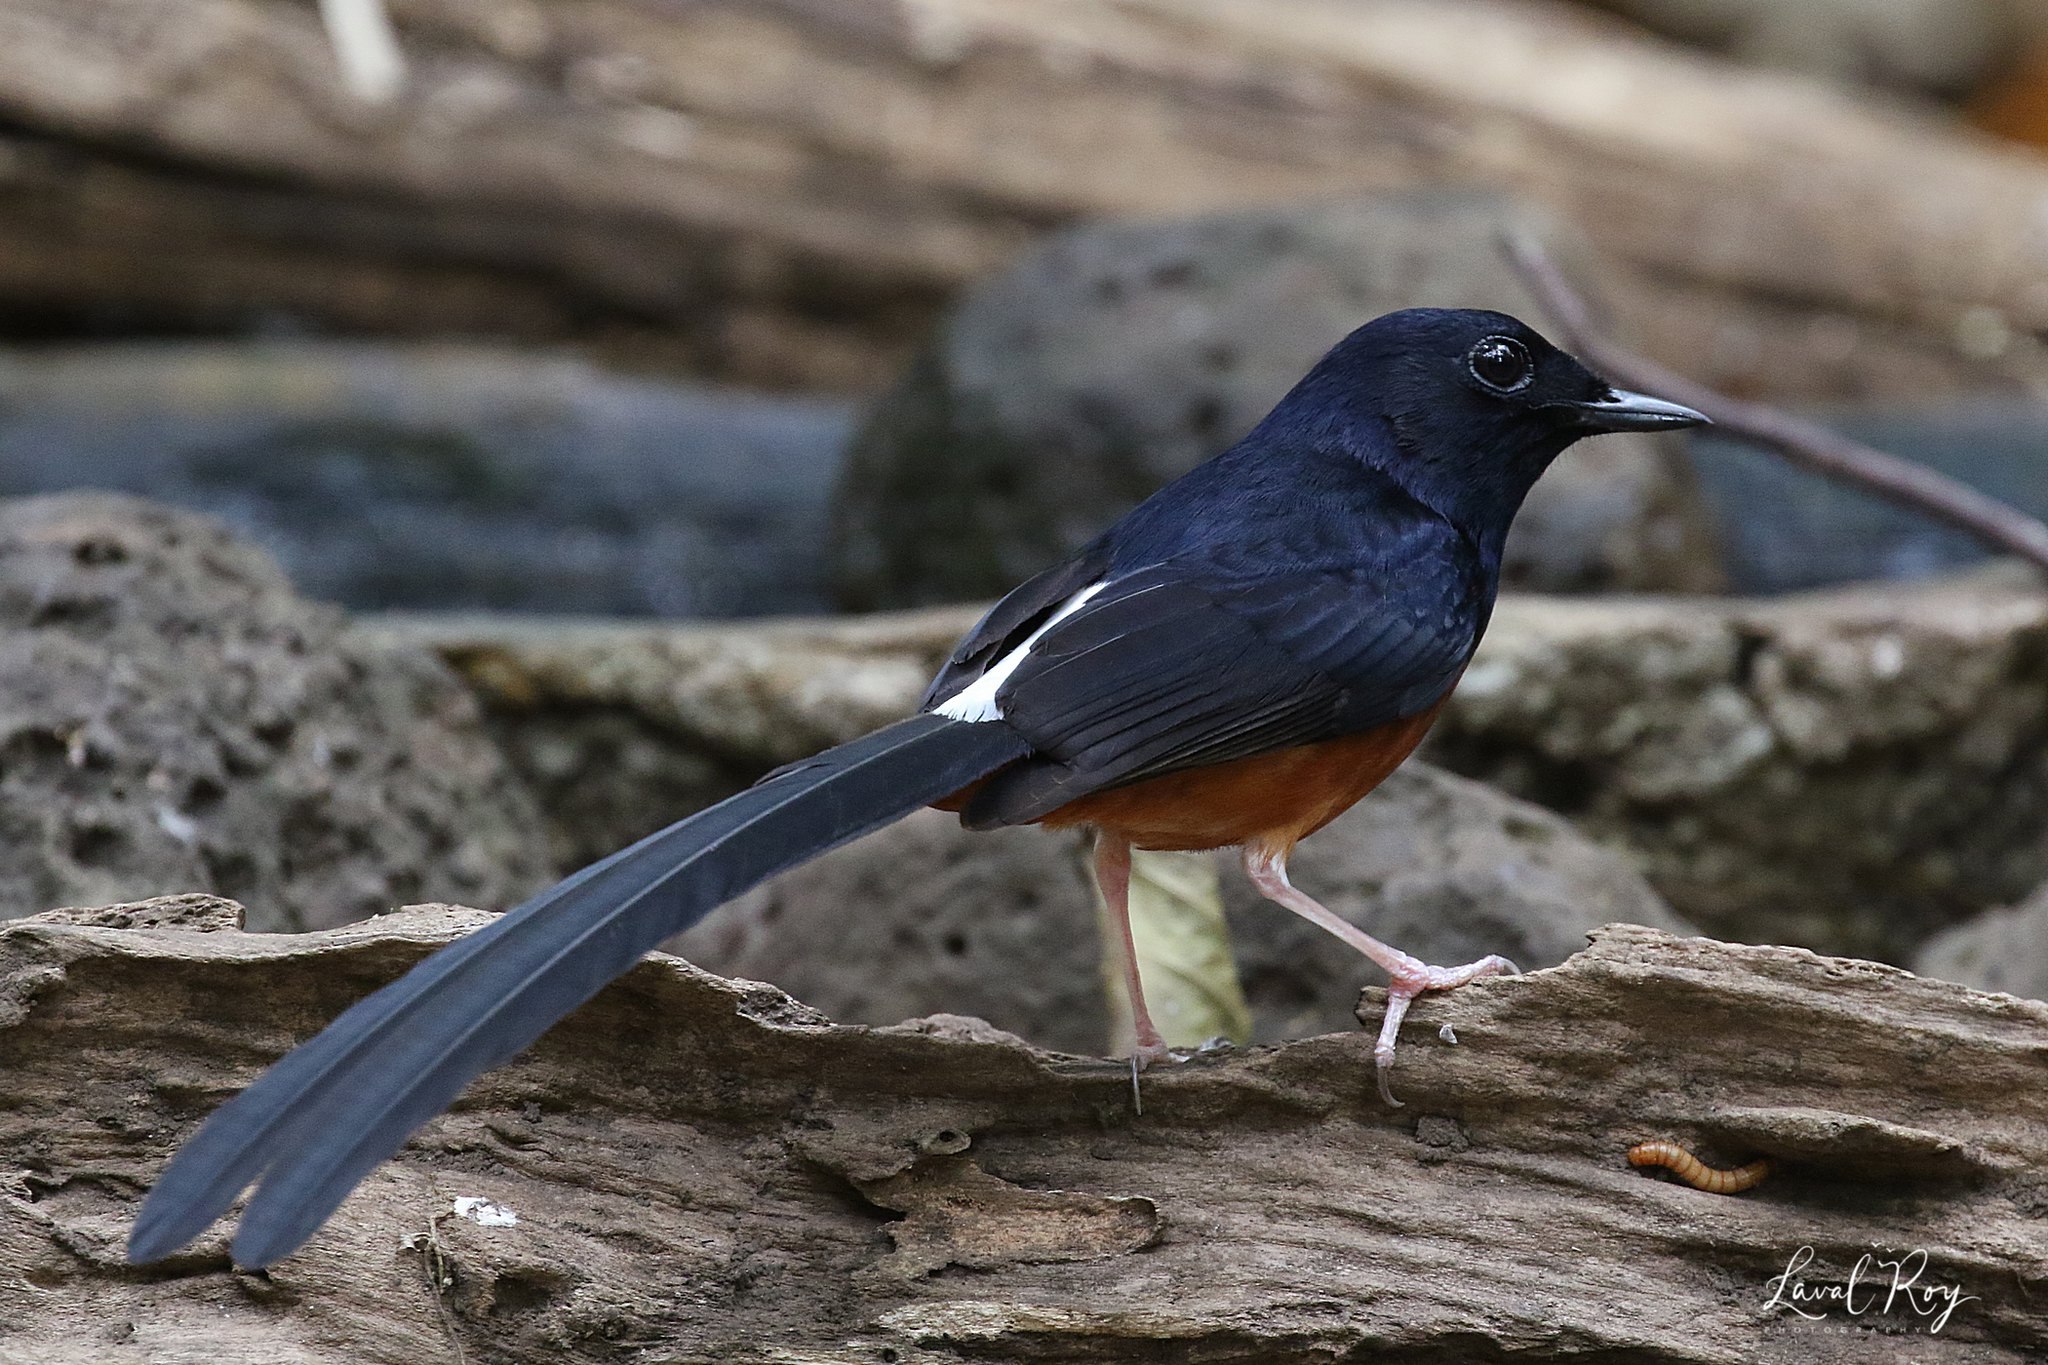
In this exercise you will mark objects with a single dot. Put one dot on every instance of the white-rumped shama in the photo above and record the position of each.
(1232, 664)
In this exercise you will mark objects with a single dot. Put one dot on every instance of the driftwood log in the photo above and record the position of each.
(785, 190)
(698, 1169)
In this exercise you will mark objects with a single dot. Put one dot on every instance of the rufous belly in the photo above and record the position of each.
(1276, 798)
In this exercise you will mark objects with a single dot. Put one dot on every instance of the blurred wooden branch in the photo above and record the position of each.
(1807, 444)
(787, 191)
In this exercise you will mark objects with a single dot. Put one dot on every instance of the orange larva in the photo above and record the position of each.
(1695, 1172)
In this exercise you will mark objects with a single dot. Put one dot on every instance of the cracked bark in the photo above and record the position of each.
(703, 1169)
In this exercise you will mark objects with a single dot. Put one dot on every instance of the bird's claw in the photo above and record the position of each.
(1385, 1073)
(1142, 1056)
(1412, 979)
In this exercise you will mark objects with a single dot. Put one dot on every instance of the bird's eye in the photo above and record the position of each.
(1502, 364)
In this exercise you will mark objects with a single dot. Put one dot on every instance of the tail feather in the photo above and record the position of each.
(317, 1122)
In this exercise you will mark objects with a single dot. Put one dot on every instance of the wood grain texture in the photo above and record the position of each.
(704, 1169)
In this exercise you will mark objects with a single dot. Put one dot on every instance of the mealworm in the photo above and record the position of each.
(1695, 1172)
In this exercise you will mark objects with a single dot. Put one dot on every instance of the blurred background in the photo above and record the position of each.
(580, 313)
(727, 307)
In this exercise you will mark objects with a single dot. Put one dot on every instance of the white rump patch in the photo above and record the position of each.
(977, 701)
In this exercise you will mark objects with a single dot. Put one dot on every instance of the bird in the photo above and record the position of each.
(1231, 664)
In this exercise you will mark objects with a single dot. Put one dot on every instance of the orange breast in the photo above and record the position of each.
(1277, 798)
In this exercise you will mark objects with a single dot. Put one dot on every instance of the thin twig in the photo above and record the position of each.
(440, 1270)
(1806, 444)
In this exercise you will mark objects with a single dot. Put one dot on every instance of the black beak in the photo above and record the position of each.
(1622, 410)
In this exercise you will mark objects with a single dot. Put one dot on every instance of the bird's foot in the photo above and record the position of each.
(1146, 1052)
(1411, 978)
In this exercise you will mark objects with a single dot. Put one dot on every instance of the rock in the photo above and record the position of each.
(925, 916)
(1854, 769)
(1784, 529)
(1059, 393)
(621, 728)
(1441, 867)
(447, 477)
(173, 717)
(1851, 769)
(2000, 950)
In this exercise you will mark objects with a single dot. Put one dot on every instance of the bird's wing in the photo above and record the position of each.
(1176, 667)
(1010, 621)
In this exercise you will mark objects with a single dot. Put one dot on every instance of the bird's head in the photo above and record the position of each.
(1464, 407)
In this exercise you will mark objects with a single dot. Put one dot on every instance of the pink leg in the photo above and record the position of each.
(1113, 875)
(1267, 867)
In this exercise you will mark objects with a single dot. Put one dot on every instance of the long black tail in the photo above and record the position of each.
(325, 1115)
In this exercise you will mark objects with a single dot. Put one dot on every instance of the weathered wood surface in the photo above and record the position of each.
(702, 1169)
(784, 190)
